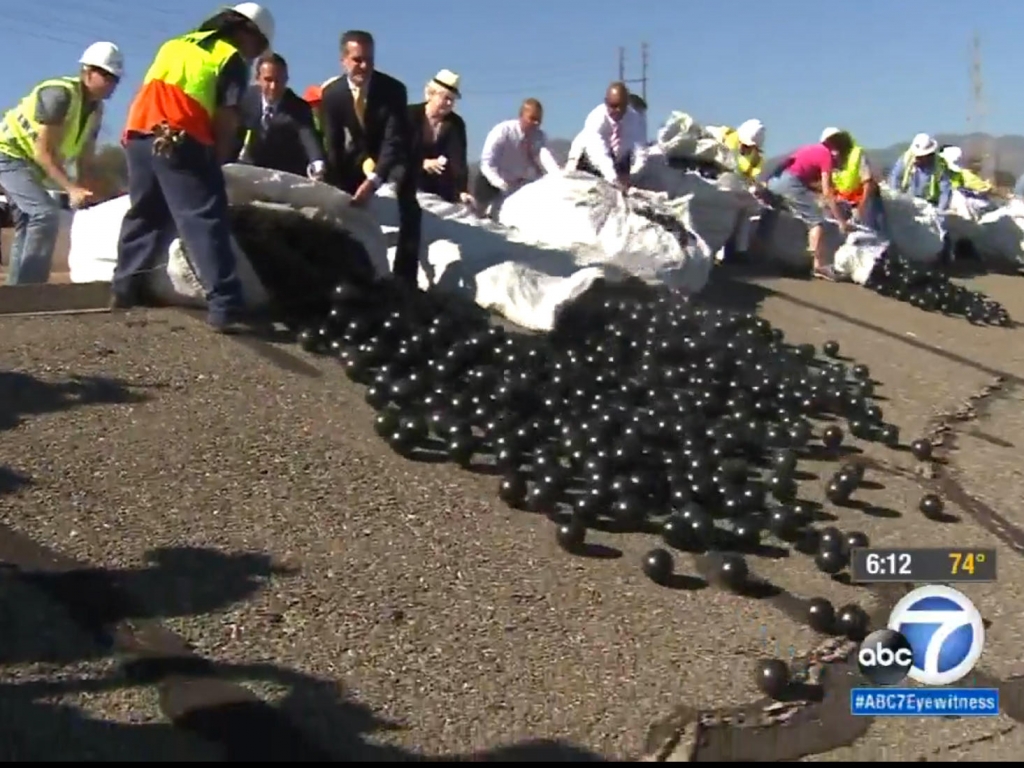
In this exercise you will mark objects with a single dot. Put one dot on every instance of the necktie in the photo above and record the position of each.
(359, 102)
(615, 143)
(268, 114)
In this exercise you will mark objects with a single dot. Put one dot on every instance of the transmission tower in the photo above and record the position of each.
(979, 111)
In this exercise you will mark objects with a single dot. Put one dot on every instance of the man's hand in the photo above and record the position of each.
(433, 166)
(622, 182)
(468, 200)
(846, 226)
(79, 196)
(365, 192)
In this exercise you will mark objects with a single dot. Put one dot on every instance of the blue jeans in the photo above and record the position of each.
(36, 221)
(186, 192)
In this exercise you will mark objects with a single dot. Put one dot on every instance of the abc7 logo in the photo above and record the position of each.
(936, 626)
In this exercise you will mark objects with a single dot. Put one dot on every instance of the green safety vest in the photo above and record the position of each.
(933, 184)
(847, 179)
(19, 129)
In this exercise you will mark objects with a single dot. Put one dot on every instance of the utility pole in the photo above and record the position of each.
(979, 111)
(642, 80)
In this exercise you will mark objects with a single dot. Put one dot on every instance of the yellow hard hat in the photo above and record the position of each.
(368, 166)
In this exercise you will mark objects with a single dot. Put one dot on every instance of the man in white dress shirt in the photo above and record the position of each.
(613, 142)
(515, 153)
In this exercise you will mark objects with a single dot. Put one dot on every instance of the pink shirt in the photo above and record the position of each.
(809, 162)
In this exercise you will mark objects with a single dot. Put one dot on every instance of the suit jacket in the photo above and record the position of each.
(451, 143)
(384, 138)
(289, 143)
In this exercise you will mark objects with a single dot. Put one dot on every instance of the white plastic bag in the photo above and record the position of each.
(601, 226)
(915, 226)
(1001, 237)
(857, 256)
(682, 137)
(95, 232)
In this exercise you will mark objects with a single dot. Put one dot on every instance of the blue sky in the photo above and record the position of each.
(885, 69)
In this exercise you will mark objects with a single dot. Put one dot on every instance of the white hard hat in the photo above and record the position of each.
(828, 133)
(751, 133)
(952, 156)
(259, 16)
(923, 145)
(105, 56)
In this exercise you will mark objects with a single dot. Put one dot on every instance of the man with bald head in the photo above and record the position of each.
(515, 153)
(613, 142)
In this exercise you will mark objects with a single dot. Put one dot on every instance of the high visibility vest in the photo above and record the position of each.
(19, 129)
(969, 180)
(180, 88)
(731, 139)
(847, 181)
(933, 184)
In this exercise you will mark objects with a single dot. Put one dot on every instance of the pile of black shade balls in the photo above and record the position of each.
(642, 412)
(893, 275)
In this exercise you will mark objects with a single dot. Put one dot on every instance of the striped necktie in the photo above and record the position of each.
(268, 115)
(615, 143)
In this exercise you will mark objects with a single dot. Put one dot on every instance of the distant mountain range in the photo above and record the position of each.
(1009, 153)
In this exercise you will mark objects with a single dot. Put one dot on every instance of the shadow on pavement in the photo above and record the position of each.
(77, 638)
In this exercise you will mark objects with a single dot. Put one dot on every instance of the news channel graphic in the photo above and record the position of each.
(935, 637)
(922, 566)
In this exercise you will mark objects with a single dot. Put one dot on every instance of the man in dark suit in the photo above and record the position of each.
(365, 121)
(277, 130)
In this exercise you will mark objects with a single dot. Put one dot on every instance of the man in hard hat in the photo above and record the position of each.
(855, 182)
(182, 126)
(57, 122)
(962, 178)
(747, 141)
(922, 173)
(314, 96)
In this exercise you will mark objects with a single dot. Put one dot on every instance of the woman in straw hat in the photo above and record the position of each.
(439, 141)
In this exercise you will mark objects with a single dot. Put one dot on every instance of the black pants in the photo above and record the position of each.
(410, 225)
(622, 165)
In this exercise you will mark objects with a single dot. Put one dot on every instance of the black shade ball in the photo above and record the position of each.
(512, 490)
(852, 622)
(658, 566)
(931, 506)
(922, 449)
(571, 535)
(821, 615)
(830, 561)
(772, 677)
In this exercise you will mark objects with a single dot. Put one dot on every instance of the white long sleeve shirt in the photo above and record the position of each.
(595, 140)
(508, 160)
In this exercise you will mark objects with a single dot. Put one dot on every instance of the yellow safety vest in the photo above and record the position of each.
(847, 179)
(19, 129)
(731, 139)
(180, 87)
(933, 183)
(969, 180)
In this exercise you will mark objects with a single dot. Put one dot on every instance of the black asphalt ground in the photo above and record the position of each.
(227, 498)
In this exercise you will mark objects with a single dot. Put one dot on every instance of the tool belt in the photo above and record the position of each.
(166, 138)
